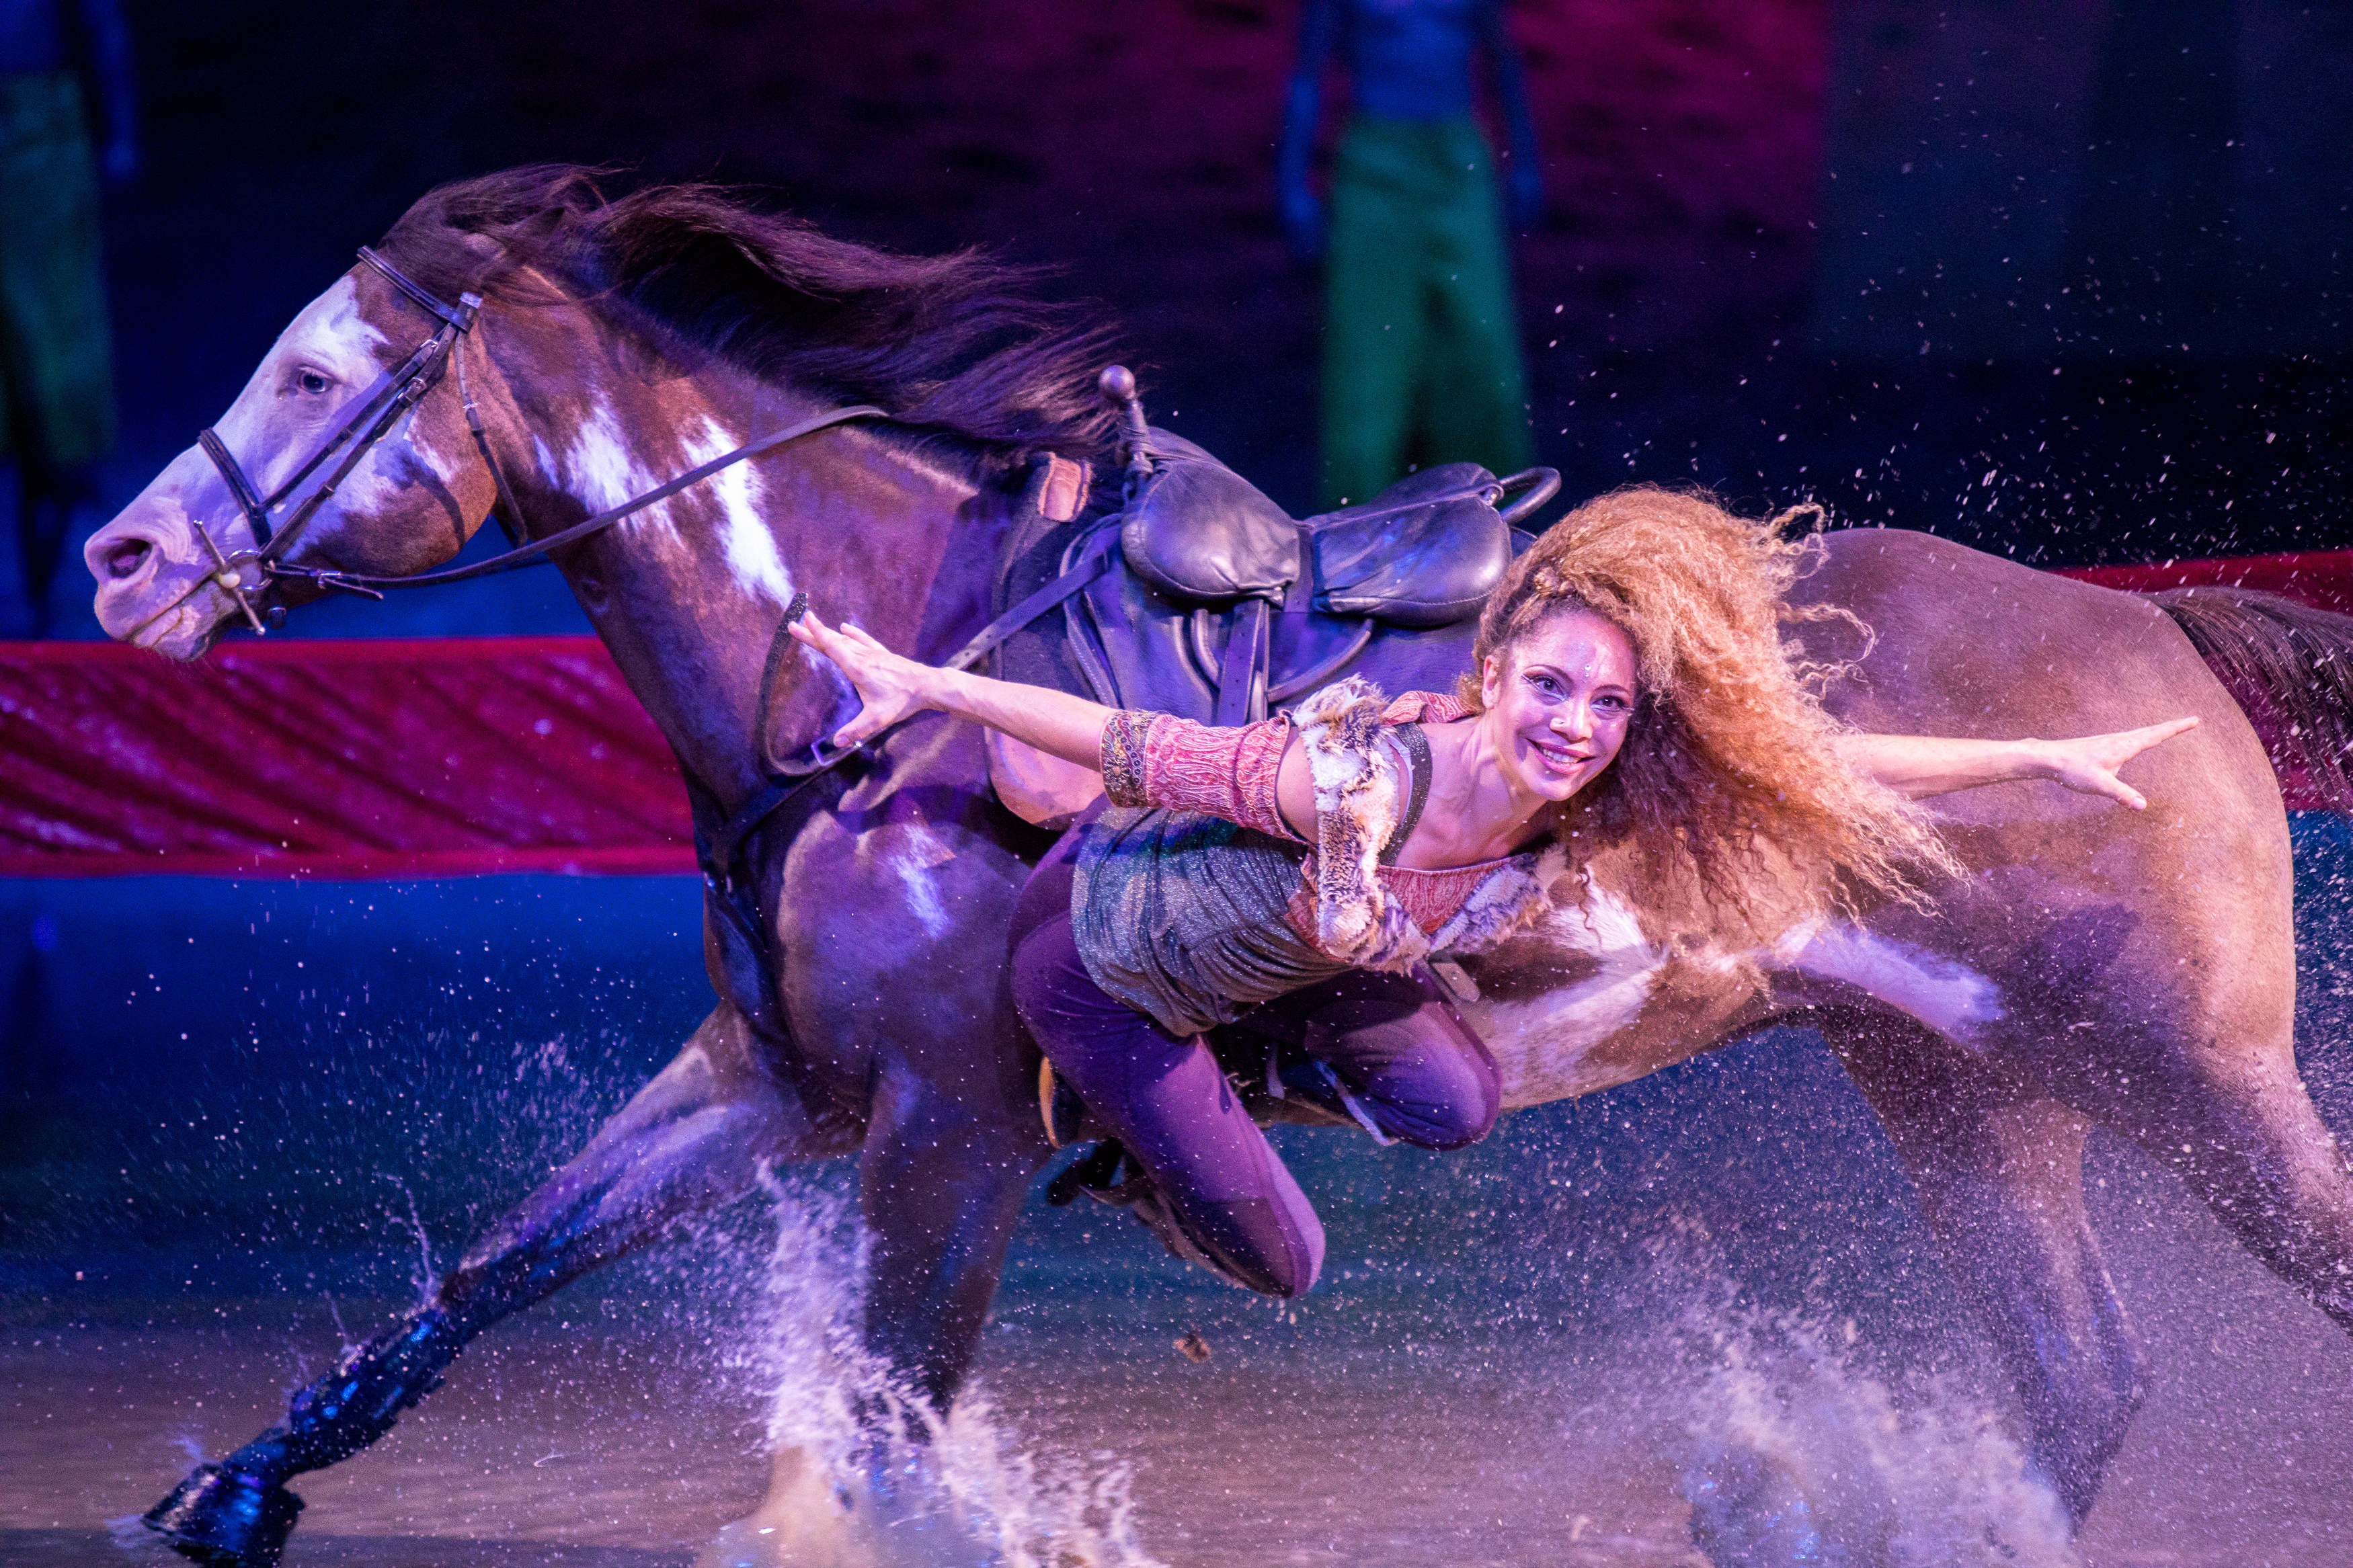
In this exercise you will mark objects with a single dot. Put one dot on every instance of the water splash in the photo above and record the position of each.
(426, 1273)
(866, 1472)
(128, 1534)
(1793, 1453)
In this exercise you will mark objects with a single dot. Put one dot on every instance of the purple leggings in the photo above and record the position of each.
(1396, 1044)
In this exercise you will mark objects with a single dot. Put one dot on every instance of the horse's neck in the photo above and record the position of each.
(689, 595)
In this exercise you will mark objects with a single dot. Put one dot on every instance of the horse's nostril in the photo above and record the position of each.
(126, 559)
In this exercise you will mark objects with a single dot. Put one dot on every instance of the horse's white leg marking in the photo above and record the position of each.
(1945, 995)
(749, 543)
(1542, 1044)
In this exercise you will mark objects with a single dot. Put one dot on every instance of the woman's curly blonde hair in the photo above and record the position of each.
(1728, 816)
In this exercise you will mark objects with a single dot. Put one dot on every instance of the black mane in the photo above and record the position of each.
(956, 342)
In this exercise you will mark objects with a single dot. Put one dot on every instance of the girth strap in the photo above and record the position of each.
(720, 851)
(1242, 678)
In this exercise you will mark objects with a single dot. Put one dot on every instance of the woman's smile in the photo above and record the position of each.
(1557, 754)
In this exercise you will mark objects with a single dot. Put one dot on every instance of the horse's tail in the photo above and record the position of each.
(2290, 667)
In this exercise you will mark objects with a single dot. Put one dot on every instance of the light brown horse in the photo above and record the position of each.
(2097, 965)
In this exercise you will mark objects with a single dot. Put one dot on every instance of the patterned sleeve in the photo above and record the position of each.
(1122, 764)
(1158, 759)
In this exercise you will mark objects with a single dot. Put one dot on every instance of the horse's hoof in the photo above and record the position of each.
(226, 1519)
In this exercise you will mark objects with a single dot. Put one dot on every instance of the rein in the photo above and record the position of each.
(407, 386)
(403, 390)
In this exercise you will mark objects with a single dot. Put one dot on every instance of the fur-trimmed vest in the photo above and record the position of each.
(1192, 919)
(1361, 781)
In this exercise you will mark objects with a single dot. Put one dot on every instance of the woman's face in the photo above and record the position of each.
(1560, 700)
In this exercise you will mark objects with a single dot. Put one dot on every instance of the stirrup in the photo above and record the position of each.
(1314, 1082)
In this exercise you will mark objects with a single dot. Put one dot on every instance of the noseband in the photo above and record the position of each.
(240, 572)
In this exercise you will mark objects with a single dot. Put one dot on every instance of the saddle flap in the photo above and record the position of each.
(1201, 531)
(1424, 552)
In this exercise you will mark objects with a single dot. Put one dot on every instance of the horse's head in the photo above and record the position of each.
(173, 566)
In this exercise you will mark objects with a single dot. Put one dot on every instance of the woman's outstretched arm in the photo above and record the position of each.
(1918, 766)
(893, 686)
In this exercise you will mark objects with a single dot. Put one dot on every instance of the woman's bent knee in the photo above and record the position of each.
(1274, 1246)
(1451, 1104)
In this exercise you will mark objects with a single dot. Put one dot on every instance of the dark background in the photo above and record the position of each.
(1793, 248)
(1789, 250)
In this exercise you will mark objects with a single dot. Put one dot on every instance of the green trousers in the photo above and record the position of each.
(57, 375)
(1421, 350)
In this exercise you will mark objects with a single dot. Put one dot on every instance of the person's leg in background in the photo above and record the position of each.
(1374, 311)
(1471, 403)
(55, 349)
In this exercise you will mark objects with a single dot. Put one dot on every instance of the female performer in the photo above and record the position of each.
(1286, 880)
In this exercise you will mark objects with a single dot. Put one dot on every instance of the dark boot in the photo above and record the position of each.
(237, 1513)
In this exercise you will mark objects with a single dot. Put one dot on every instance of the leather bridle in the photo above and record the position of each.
(268, 561)
(241, 571)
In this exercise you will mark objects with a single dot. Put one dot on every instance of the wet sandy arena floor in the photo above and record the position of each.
(611, 1432)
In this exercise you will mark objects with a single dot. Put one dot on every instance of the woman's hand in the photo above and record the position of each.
(889, 686)
(2088, 764)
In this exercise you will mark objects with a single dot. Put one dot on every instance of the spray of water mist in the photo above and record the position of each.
(1792, 1451)
(906, 1485)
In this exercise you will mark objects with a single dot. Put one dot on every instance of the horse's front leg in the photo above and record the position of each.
(1998, 1165)
(941, 1184)
(941, 1189)
(695, 1136)
(896, 937)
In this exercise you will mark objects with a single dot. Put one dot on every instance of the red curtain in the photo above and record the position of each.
(428, 758)
(2323, 578)
(432, 758)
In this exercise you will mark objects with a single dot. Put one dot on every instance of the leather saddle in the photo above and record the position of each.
(1209, 601)
(1188, 591)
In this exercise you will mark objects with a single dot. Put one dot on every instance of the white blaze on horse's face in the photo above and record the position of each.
(151, 566)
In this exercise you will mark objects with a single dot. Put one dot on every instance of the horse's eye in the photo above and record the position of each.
(312, 381)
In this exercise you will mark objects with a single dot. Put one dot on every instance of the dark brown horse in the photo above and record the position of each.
(2132, 968)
